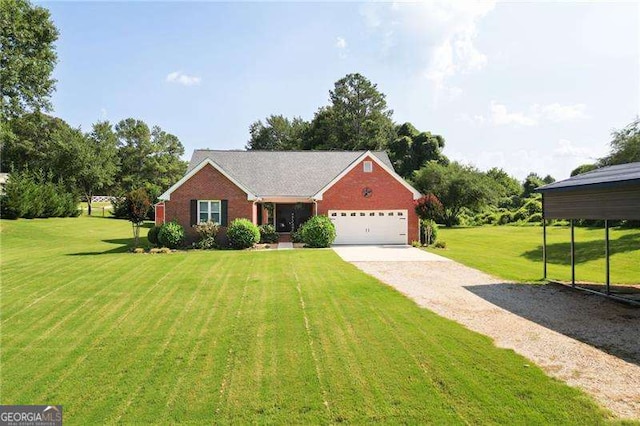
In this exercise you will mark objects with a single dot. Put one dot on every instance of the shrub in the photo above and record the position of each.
(207, 232)
(268, 234)
(430, 231)
(318, 232)
(119, 207)
(171, 235)
(440, 244)
(242, 234)
(296, 237)
(505, 217)
(416, 243)
(152, 235)
(536, 217)
(32, 195)
(138, 250)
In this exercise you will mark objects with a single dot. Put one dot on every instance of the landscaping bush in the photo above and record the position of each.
(268, 234)
(171, 235)
(242, 234)
(152, 235)
(296, 237)
(318, 232)
(207, 232)
(440, 244)
(429, 231)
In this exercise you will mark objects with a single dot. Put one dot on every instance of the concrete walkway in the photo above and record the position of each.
(386, 254)
(584, 340)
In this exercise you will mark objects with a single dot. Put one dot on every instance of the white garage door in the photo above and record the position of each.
(370, 226)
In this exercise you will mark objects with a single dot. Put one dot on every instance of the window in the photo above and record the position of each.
(353, 214)
(343, 214)
(334, 214)
(399, 213)
(372, 214)
(368, 166)
(381, 214)
(209, 210)
(362, 214)
(390, 213)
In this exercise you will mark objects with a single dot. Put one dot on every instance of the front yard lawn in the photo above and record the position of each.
(216, 337)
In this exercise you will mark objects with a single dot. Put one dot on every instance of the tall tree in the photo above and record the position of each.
(456, 186)
(27, 58)
(531, 182)
(40, 142)
(149, 158)
(99, 161)
(584, 168)
(625, 145)
(411, 149)
(358, 117)
(277, 133)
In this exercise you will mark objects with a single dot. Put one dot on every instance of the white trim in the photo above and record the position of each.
(167, 194)
(210, 212)
(415, 192)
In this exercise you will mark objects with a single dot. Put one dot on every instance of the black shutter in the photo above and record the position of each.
(194, 212)
(223, 212)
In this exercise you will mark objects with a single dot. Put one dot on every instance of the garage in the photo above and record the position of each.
(370, 226)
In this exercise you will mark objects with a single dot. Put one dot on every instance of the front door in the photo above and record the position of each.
(289, 217)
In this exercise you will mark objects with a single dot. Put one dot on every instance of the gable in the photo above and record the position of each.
(190, 174)
(388, 172)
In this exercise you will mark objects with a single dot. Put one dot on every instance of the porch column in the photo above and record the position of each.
(254, 209)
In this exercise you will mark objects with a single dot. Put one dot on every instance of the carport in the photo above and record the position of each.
(609, 193)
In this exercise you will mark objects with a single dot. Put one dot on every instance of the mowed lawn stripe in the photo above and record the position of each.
(59, 372)
(249, 337)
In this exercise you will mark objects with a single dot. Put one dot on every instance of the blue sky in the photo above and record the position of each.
(522, 86)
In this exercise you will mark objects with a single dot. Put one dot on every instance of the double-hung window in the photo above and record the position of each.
(209, 211)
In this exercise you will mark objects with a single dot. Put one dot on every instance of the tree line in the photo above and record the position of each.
(41, 150)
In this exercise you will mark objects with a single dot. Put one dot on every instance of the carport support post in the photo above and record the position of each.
(573, 256)
(606, 251)
(544, 247)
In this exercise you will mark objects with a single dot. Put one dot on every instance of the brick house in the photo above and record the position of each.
(368, 202)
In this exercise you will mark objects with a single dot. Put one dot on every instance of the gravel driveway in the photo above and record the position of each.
(585, 340)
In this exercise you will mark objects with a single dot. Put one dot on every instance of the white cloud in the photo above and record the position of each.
(558, 113)
(500, 115)
(341, 45)
(444, 31)
(566, 148)
(180, 78)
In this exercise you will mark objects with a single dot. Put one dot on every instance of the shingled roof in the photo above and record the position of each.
(622, 174)
(283, 173)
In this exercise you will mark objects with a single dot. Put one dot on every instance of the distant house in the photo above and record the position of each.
(368, 202)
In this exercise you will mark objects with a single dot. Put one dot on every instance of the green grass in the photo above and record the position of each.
(515, 252)
(270, 337)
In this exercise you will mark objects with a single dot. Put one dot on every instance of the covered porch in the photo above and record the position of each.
(286, 214)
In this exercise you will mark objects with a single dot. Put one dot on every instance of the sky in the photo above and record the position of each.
(524, 86)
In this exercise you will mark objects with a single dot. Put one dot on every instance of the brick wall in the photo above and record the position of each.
(387, 194)
(207, 184)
